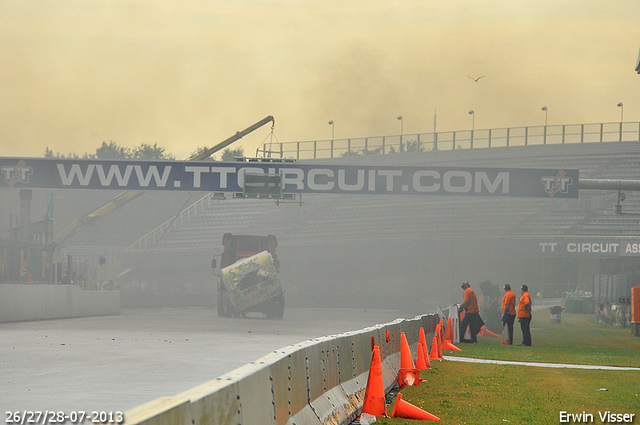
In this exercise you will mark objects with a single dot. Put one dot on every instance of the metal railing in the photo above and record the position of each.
(464, 139)
(149, 240)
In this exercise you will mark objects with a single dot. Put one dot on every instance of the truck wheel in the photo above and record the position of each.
(225, 308)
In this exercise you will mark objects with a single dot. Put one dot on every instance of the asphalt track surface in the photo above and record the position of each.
(115, 363)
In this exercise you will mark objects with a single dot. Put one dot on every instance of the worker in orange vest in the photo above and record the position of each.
(509, 311)
(524, 315)
(472, 317)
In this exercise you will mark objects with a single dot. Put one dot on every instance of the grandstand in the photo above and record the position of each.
(425, 244)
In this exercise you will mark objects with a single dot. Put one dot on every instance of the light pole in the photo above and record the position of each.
(621, 106)
(473, 126)
(401, 129)
(333, 134)
(546, 112)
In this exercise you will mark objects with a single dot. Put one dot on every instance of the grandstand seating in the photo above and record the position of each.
(346, 217)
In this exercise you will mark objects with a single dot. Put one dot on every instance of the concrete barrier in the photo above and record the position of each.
(39, 302)
(317, 382)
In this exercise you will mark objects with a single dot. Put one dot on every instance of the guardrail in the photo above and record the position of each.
(318, 382)
(149, 240)
(464, 139)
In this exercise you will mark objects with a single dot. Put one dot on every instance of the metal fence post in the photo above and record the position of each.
(601, 131)
(620, 131)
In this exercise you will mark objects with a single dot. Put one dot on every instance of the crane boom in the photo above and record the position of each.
(239, 135)
(127, 196)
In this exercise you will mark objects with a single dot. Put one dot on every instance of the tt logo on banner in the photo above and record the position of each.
(17, 174)
(559, 183)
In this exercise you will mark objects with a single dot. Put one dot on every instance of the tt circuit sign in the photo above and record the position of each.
(586, 247)
(296, 177)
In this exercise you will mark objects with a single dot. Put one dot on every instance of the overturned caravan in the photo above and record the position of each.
(251, 284)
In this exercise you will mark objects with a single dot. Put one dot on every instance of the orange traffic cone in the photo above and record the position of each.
(434, 348)
(448, 339)
(448, 336)
(408, 374)
(486, 332)
(448, 345)
(374, 402)
(422, 341)
(406, 361)
(404, 409)
(440, 340)
(420, 362)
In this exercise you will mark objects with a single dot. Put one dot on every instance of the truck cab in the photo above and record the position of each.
(248, 279)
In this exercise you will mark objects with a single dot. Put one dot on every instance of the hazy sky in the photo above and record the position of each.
(191, 73)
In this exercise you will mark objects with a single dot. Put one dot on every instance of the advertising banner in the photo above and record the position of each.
(34, 173)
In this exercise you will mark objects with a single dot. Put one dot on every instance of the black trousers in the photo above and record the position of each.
(472, 320)
(509, 324)
(525, 322)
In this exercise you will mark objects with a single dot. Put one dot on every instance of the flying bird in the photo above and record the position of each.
(476, 79)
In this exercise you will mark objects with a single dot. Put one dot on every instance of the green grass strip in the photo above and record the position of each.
(578, 339)
(478, 394)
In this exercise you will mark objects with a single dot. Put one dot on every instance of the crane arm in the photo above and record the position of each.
(239, 135)
(91, 217)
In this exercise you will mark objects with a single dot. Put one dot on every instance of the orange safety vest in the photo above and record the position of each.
(509, 302)
(469, 295)
(525, 298)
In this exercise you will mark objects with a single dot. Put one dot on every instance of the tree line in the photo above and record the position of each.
(145, 151)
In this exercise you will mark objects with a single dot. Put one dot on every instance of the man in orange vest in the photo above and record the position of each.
(472, 314)
(524, 315)
(509, 311)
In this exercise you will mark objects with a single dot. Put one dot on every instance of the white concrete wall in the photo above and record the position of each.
(38, 302)
(320, 381)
